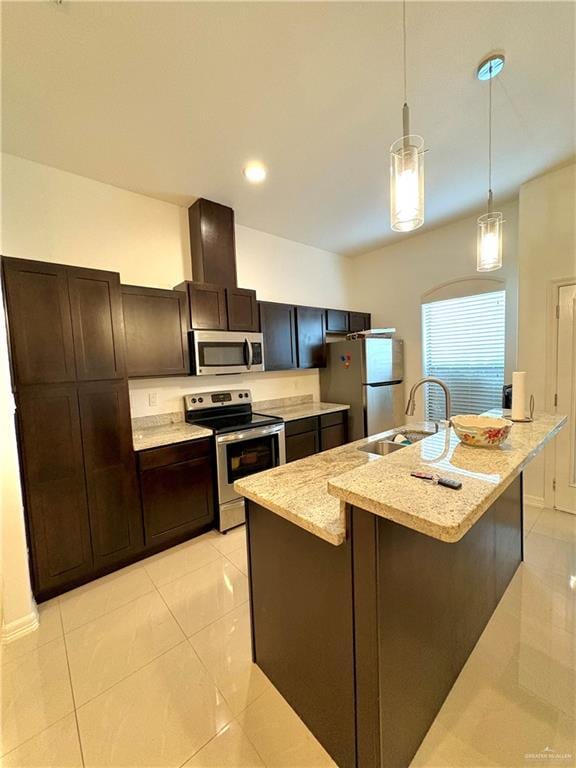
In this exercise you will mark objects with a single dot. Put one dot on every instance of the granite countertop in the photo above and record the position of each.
(301, 410)
(313, 492)
(164, 429)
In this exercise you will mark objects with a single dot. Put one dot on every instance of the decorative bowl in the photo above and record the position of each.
(481, 431)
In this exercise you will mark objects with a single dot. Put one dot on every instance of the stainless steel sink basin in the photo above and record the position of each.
(384, 446)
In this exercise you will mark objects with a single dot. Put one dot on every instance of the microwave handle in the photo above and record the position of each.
(248, 354)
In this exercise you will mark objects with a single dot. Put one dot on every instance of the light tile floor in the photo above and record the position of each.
(151, 666)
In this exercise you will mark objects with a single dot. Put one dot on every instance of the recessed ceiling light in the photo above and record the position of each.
(490, 66)
(255, 172)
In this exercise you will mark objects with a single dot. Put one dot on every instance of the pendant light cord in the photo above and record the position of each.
(404, 49)
(490, 142)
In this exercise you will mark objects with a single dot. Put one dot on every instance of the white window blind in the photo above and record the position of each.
(464, 345)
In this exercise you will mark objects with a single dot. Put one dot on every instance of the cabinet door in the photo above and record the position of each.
(156, 325)
(332, 437)
(39, 321)
(212, 242)
(359, 321)
(311, 334)
(178, 500)
(300, 446)
(111, 480)
(242, 309)
(278, 323)
(54, 485)
(207, 307)
(97, 323)
(336, 321)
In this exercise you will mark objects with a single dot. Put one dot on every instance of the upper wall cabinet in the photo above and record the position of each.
(40, 322)
(336, 321)
(311, 335)
(97, 324)
(156, 325)
(278, 322)
(359, 321)
(207, 304)
(212, 243)
(242, 309)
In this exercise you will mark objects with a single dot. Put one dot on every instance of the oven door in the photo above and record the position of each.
(240, 454)
(218, 352)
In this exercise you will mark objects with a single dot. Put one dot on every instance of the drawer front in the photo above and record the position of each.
(300, 446)
(332, 437)
(329, 419)
(299, 426)
(172, 454)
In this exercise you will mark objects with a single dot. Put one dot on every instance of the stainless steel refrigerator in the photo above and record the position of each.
(367, 374)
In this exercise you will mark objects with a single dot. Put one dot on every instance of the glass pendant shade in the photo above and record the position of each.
(489, 242)
(407, 183)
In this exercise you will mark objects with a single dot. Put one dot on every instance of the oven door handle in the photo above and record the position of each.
(249, 434)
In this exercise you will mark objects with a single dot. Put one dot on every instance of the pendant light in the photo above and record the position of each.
(489, 234)
(406, 167)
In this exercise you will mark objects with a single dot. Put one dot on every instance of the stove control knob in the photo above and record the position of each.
(240, 395)
(193, 399)
(200, 399)
(246, 394)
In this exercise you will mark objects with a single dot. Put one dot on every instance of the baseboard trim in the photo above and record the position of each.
(19, 628)
(534, 501)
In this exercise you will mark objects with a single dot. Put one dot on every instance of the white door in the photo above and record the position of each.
(565, 498)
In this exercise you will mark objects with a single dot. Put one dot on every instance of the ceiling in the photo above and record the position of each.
(170, 99)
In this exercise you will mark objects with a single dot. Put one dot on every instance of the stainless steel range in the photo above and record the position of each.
(246, 443)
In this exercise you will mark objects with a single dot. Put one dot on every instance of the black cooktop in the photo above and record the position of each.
(231, 422)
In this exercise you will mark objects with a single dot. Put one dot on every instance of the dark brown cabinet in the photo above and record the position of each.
(336, 321)
(359, 321)
(242, 309)
(311, 335)
(177, 491)
(278, 323)
(207, 306)
(212, 243)
(111, 482)
(50, 440)
(40, 322)
(156, 326)
(305, 437)
(78, 470)
(97, 324)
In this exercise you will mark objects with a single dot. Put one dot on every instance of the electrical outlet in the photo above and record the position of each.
(152, 398)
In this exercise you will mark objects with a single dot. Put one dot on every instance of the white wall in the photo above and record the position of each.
(547, 252)
(55, 216)
(391, 281)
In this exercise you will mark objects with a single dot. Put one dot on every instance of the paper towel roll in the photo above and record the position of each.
(519, 395)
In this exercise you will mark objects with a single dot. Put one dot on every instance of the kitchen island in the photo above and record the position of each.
(369, 588)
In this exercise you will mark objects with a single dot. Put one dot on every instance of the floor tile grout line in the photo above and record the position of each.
(186, 573)
(111, 610)
(35, 736)
(132, 672)
(74, 701)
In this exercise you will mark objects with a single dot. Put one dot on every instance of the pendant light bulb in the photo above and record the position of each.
(489, 227)
(406, 169)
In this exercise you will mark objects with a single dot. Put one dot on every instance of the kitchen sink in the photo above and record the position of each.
(386, 445)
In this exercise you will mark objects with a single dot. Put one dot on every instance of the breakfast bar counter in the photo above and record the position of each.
(369, 587)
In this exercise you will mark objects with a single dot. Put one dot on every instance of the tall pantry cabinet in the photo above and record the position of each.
(68, 361)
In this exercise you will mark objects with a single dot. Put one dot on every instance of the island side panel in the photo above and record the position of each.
(302, 625)
(433, 601)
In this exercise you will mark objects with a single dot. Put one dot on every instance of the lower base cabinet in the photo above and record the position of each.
(177, 487)
(305, 437)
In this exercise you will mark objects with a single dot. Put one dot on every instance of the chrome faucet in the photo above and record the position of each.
(411, 405)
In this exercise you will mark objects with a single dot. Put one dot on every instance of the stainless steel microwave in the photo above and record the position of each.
(216, 352)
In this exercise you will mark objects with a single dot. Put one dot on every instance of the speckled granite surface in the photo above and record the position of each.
(164, 429)
(313, 492)
(290, 411)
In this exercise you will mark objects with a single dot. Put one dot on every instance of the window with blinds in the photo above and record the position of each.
(464, 345)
